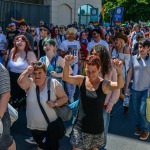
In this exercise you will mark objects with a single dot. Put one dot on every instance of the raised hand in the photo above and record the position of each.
(69, 59)
(117, 64)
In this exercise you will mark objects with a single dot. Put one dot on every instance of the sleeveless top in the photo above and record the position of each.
(90, 111)
(53, 66)
(18, 66)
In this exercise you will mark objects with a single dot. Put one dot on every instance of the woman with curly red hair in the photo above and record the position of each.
(19, 59)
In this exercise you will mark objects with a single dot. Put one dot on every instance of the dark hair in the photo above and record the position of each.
(93, 60)
(144, 42)
(97, 31)
(27, 47)
(104, 56)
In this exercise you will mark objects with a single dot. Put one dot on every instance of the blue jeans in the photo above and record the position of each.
(106, 117)
(139, 106)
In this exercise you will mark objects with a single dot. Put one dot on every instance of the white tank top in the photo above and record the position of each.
(18, 66)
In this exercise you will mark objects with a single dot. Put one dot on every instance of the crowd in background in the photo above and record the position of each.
(51, 44)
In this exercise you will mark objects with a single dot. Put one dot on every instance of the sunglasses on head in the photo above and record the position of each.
(37, 63)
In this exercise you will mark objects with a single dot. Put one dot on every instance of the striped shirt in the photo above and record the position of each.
(4, 80)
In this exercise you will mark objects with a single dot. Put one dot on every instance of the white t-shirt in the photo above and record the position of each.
(2, 41)
(75, 46)
(35, 118)
(92, 43)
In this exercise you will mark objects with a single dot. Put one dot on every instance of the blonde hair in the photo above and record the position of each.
(71, 31)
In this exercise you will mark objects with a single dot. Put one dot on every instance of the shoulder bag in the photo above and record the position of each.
(64, 111)
(13, 113)
(55, 130)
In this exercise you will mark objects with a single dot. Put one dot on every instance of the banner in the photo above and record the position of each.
(94, 14)
(118, 15)
(101, 17)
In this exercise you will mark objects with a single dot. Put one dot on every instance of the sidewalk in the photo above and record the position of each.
(121, 132)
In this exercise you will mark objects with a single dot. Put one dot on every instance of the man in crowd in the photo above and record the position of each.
(96, 34)
(11, 34)
(140, 70)
(23, 30)
(44, 32)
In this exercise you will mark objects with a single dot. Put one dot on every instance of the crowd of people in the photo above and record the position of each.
(100, 61)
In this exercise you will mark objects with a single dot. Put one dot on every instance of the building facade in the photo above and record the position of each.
(58, 12)
(67, 11)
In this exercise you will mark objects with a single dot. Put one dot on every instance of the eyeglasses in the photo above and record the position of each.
(32, 30)
(37, 63)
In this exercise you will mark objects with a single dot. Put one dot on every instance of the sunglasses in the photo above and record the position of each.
(61, 27)
(42, 29)
(12, 26)
(37, 63)
(94, 34)
(32, 30)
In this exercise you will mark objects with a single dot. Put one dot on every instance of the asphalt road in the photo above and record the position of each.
(121, 132)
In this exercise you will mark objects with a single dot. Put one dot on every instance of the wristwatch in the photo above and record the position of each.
(56, 104)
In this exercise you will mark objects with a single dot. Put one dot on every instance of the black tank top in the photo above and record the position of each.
(90, 113)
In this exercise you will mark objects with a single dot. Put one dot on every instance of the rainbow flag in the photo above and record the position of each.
(8, 29)
(17, 21)
(117, 23)
(101, 17)
(95, 23)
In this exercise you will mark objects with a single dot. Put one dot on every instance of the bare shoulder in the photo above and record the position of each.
(126, 50)
(105, 86)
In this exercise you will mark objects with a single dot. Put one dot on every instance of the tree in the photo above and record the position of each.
(133, 9)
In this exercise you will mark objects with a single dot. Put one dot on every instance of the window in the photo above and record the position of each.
(84, 14)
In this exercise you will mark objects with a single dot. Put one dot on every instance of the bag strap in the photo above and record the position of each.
(48, 88)
(41, 107)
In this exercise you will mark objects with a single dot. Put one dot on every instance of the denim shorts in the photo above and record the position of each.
(6, 140)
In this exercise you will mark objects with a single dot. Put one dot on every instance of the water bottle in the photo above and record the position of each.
(126, 100)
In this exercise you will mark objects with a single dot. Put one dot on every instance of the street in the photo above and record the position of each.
(121, 132)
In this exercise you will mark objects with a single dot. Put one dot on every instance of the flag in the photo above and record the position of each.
(101, 17)
(117, 23)
(95, 23)
(17, 21)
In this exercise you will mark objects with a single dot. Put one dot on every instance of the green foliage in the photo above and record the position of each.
(134, 10)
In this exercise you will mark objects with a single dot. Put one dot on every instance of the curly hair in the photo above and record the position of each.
(105, 58)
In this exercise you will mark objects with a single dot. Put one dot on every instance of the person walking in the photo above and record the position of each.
(88, 130)
(140, 70)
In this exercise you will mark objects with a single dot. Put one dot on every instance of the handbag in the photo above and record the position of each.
(13, 113)
(148, 107)
(55, 130)
(64, 111)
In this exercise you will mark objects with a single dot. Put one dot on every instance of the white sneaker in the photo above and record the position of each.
(30, 140)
